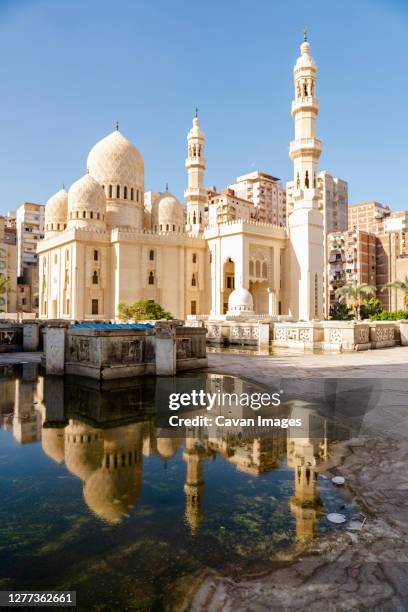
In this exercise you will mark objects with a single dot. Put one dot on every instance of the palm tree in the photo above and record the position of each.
(355, 293)
(3, 283)
(402, 286)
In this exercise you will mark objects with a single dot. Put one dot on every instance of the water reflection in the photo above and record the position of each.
(103, 435)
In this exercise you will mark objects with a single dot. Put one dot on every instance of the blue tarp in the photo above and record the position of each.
(112, 326)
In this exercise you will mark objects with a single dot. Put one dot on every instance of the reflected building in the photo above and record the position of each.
(103, 435)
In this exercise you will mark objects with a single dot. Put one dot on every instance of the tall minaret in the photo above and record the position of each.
(195, 194)
(306, 220)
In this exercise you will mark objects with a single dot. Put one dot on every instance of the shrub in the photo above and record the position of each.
(386, 315)
(142, 310)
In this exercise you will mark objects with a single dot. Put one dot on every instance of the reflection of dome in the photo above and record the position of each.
(169, 214)
(56, 211)
(167, 447)
(52, 440)
(116, 161)
(240, 302)
(83, 449)
(112, 492)
(86, 204)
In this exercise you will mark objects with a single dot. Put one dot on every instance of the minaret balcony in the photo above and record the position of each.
(305, 146)
(305, 103)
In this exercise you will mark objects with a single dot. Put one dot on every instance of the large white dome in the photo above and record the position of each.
(240, 302)
(116, 161)
(56, 212)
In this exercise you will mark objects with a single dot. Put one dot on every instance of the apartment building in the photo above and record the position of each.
(8, 268)
(266, 193)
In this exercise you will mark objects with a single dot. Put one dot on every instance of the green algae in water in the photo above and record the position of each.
(94, 501)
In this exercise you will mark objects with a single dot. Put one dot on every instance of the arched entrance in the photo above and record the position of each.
(228, 282)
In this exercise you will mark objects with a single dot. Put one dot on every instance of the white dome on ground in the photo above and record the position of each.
(114, 160)
(169, 213)
(86, 204)
(240, 302)
(56, 212)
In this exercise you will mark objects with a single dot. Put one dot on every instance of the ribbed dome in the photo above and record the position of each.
(240, 302)
(169, 213)
(56, 212)
(116, 161)
(86, 203)
(112, 493)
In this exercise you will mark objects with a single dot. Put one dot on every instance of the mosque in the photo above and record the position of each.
(108, 242)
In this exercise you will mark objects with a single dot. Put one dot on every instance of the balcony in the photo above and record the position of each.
(306, 103)
(305, 146)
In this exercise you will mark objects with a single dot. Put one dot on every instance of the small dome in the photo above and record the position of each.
(167, 447)
(83, 449)
(86, 203)
(116, 161)
(240, 302)
(56, 212)
(169, 213)
(305, 60)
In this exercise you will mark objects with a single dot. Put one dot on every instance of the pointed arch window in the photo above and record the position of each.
(151, 277)
(194, 218)
(125, 193)
(110, 191)
(193, 281)
(151, 255)
(307, 179)
(118, 191)
(95, 278)
(132, 193)
(194, 257)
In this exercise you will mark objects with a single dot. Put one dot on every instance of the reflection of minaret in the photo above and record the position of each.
(196, 193)
(194, 455)
(307, 446)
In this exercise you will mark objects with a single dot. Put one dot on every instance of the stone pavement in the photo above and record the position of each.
(388, 362)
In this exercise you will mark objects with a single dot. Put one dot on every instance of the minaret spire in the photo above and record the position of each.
(305, 35)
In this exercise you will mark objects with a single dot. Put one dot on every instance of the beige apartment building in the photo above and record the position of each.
(266, 193)
(8, 267)
(367, 216)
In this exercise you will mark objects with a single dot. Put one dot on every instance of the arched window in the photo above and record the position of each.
(201, 218)
(110, 191)
(167, 227)
(251, 268)
(174, 228)
(194, 218)
(151, 277)
(118, 191)
(125, 193)
(161, 226)
(83, 214)
(194, 257)
(91, 214)
(264, 270)
(151, 255)
(258, 269)
(96, 255)
(132, 193)
(193, 280)
(95, 278)
(307, 179)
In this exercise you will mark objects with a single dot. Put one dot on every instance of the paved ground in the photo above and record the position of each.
(365, 570)
(389, 362)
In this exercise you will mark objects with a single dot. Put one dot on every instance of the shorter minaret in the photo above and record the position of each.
(196, 193)
(194, 455)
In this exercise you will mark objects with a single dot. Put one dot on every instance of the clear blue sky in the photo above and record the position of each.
(69, 69)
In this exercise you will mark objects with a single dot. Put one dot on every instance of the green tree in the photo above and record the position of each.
(339, 311)
(354, 294)
(142, 310)
(370, 308)
(401, 286)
